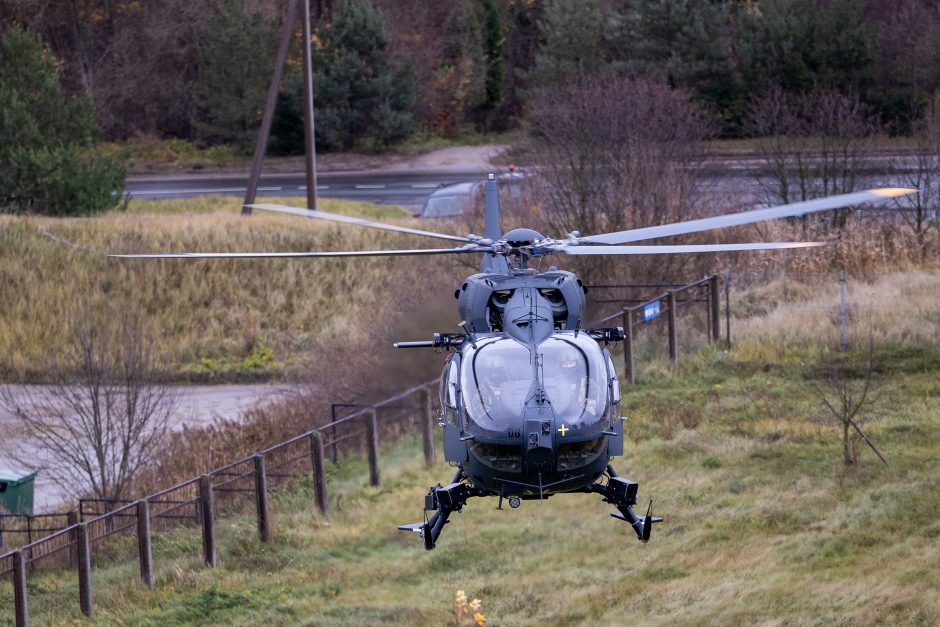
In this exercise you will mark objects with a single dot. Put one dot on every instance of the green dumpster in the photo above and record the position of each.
(16, 491)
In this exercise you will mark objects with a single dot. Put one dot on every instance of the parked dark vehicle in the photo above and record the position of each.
(451, 201)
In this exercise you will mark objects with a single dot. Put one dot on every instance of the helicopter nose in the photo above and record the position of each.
(540, 433)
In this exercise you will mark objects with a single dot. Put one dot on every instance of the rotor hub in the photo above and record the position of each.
(517, 238)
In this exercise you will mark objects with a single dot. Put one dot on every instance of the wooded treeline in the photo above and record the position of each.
(386, 69)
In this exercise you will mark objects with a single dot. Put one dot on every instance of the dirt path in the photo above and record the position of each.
(453, 159)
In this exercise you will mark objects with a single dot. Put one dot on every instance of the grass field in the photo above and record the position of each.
(763, 525)
(213, 319)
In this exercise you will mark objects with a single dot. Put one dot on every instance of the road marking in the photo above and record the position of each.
(189, 191)
(158, 192)
(370, 187)
(304, 187)
(425, 186)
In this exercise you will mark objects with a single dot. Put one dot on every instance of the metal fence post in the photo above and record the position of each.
(673, 338)
(261, 497)
(84, 570)
(427, 427)
(628, 372)
(728, 307)
(318, 464)
(19, 589)
(372, 444)
(842, 306)
(207, 507)
(144, 547)
(713, 302)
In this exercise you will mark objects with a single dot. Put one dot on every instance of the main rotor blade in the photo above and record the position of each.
(333, 217)
(346, 253)
(682, 248)
(748, 217)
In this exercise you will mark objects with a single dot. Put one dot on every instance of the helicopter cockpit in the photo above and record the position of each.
(500, 375)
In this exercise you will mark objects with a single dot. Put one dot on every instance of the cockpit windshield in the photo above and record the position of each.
(499, 375)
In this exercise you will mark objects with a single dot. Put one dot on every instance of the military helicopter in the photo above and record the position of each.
(530, 400)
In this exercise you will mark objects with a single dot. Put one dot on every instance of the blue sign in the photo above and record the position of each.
(650, 311)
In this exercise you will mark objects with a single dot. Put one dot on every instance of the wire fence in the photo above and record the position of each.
(833, 307)
(651, 324)
(834, 310)
(93, 529)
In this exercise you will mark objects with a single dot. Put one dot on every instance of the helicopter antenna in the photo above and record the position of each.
(492, 226)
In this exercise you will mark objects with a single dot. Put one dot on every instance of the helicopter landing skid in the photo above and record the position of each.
(621, 493)
(445, 500)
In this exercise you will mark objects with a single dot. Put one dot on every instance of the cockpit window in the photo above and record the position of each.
(499, 375)
(575, 378)
(496, 380)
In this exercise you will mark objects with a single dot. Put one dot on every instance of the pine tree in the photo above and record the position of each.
(358, 96)
(799, 45)
(573, 43)
(236, 59)
(47, 161)
(686, 43)
(493, 45)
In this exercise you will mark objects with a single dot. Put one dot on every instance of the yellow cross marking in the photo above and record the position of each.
(563, 429)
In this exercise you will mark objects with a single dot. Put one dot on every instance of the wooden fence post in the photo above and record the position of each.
(713, 302)
(144, 546)
(207, 508)
(372, 444)
(427, 427)
(21, 607)
(673, 339)
(72, 520)
(261, 497)
(628, 372)
(84, 570)
(318, 463)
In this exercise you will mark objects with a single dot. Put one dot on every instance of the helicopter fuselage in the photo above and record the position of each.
(530, 402)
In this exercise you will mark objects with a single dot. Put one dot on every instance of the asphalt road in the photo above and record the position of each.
(724, 174)
(406, 190)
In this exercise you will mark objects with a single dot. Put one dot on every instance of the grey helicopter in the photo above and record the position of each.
(530, 399)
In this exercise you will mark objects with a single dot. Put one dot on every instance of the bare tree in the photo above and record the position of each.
(616, 153)
(845, 385)
(102, 416)
(812, 144)
(919, 211)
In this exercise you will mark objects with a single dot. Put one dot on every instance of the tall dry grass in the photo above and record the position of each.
(898, 309)
(218, 319)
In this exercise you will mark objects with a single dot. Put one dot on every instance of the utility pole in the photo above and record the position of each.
(287, 33)
(309, 142)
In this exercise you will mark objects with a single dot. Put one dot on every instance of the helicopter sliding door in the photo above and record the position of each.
(454, 449)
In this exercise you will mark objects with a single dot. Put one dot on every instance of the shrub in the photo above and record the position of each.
(47, 161)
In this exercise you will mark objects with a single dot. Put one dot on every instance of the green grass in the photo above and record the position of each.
(763, 525)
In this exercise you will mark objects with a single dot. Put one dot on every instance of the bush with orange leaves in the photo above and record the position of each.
(471, 609)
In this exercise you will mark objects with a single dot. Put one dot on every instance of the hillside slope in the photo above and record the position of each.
(763, 524)
(233, 319)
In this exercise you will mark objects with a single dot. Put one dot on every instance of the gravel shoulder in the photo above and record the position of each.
(453, 159)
